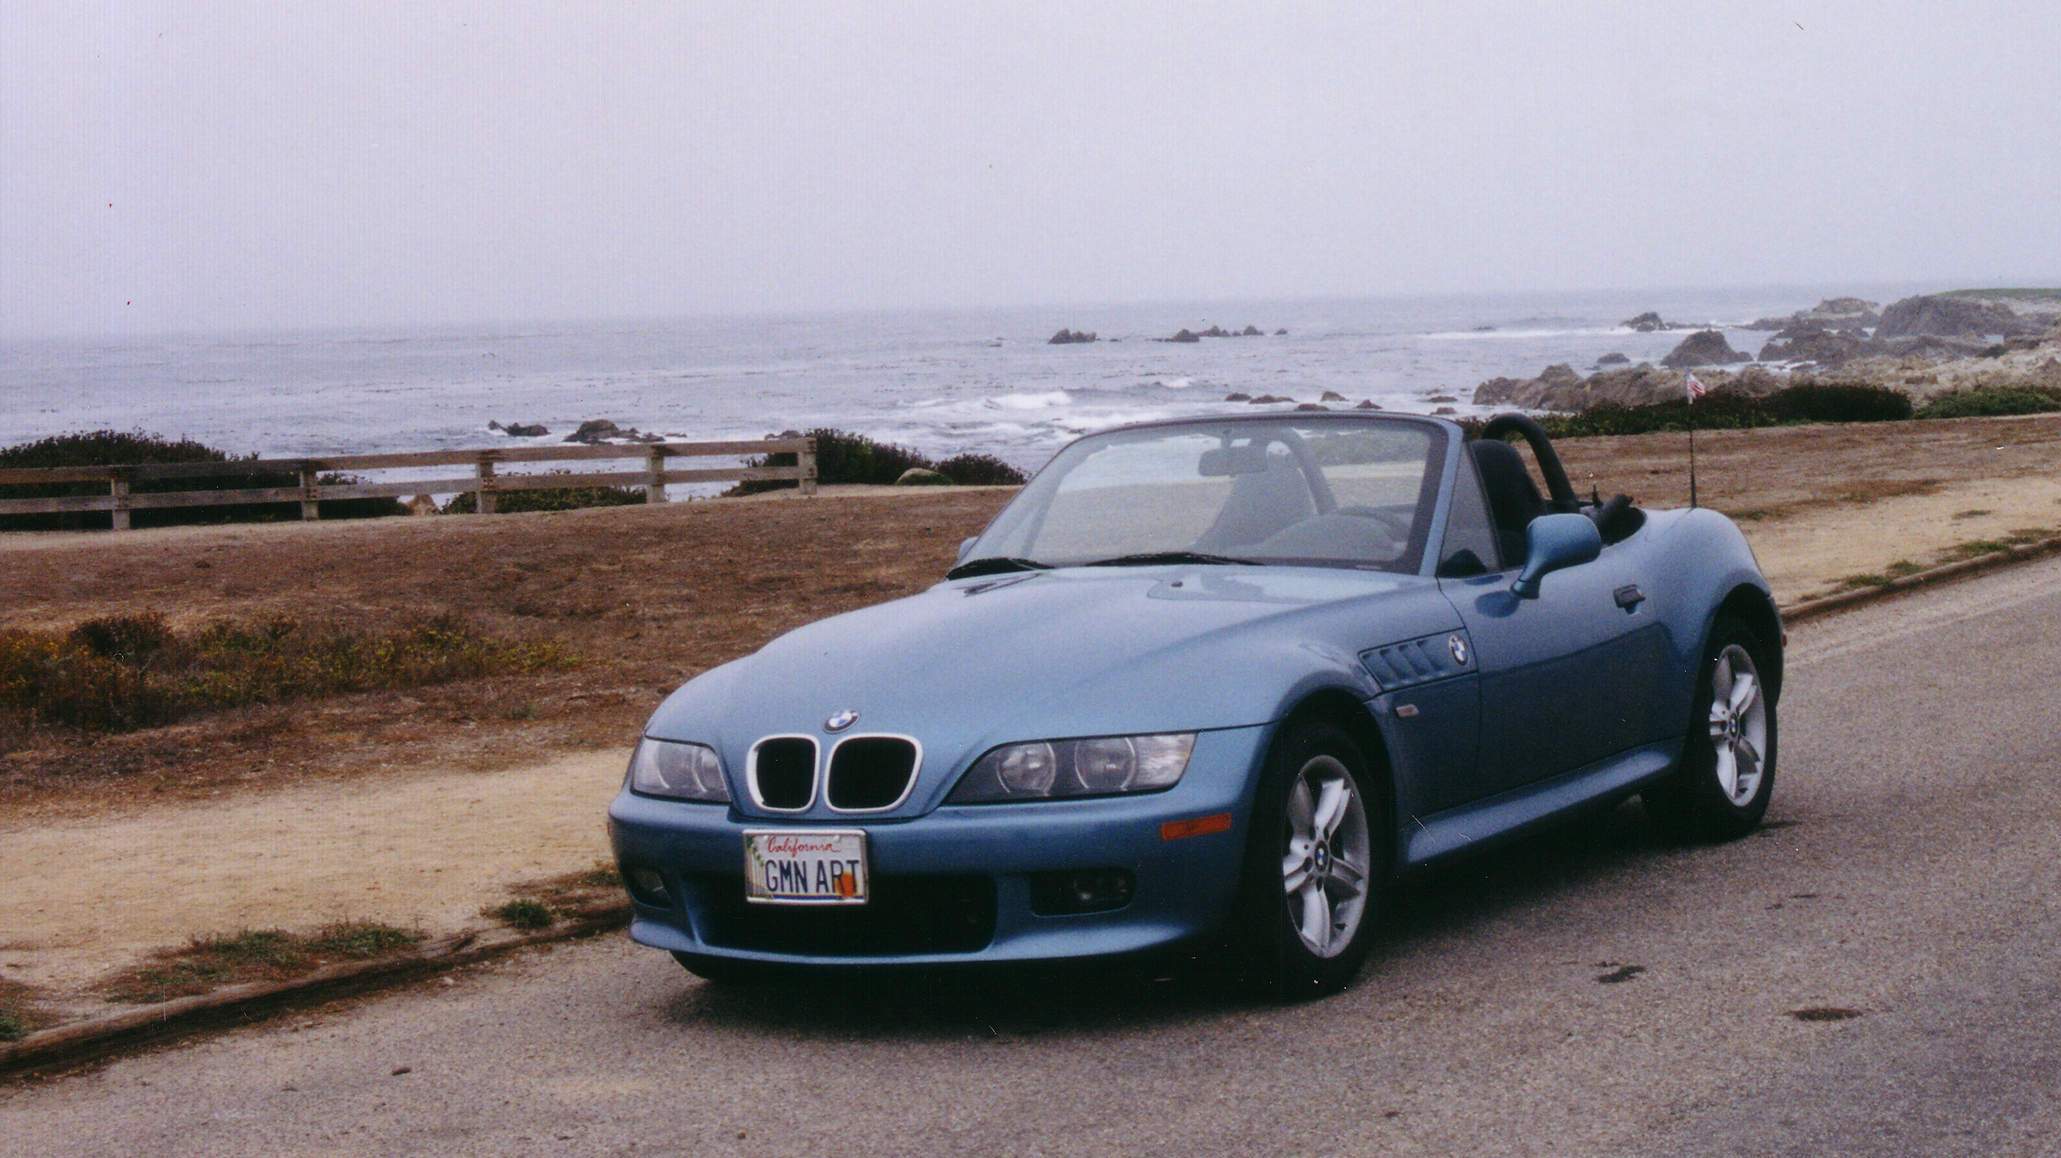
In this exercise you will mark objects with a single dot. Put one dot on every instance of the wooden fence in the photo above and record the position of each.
(483, 482)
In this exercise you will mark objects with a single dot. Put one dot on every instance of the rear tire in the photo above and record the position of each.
(1317, 866)
(1721, 787)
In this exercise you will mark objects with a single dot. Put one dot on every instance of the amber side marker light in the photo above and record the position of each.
(1195, 826)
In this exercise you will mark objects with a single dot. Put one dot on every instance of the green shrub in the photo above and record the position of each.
(122, 674)
(980, 470)
(841, 457)
(556, 499)
(1731, 410)
(117, 448)
(1989, 401)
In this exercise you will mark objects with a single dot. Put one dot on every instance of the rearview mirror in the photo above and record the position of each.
(1225, 461)
(965, 547)
(1554, 543)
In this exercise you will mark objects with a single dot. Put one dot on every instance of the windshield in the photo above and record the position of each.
(1355, 493)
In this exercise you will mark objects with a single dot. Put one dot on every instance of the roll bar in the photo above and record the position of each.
(1557, 486)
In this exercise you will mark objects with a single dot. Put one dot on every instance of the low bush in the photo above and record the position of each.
(118, 448)
(844, 457)
(1990, 401)
(123, 673)
(1730, 410)
(556, 499)
(980, 470)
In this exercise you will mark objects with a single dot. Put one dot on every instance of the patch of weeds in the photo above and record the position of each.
(1974, 514)
(122, 673)
(208, 963)
(1903, 567)
(521, 712)
(2024, 535)
(1861, 582)
(523, 913)
(19, 1013)
(1975, 547)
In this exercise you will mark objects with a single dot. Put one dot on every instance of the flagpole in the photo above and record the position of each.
(1694, 390)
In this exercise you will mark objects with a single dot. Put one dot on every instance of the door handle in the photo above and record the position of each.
(1629, 597)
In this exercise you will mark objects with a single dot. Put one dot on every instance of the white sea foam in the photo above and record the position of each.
(1040, 400)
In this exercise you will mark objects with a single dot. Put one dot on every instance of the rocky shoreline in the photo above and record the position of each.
(1923, 346)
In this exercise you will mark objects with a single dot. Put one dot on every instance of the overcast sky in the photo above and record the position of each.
(203, 166)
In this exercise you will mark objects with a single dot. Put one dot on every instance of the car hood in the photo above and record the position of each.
(1072, 652)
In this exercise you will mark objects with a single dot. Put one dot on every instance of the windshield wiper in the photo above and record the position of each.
(995, 565)
(1153, 558)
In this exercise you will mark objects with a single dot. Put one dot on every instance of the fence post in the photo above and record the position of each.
(118, 501)
(807, 461)
(483, 497)
(311, 508)
(655, 476)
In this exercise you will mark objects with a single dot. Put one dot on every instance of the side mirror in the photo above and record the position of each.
(1553, 543)
(965, 546)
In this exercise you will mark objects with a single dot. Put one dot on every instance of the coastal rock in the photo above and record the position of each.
(1842, 313)
(1444, 410)
(1704, 348)
(1559, 372)
(1237, 396)
(1953, 316)
(1281, 333)
(599, 430)
(1266, 399)
(595, 430)
(1252, 332)
(1629, 386)
(1183, 336)
(1647, 323)
(1067, 337)
(1440, 398)
(1366, 404)
(1805, 343)
(917, 476)
(1331, 396)
(526, 430)
(1312, 406)
(493, 424)
(1613, 358)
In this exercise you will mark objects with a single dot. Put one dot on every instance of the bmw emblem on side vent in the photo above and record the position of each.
(1457, 644)
(841, 721)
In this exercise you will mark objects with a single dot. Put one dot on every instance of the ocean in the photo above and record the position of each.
(942, 381)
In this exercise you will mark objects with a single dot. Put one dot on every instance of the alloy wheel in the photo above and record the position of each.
(1738, 724)
(1327, 862)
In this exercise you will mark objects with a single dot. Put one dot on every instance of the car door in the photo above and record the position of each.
(1567, 678)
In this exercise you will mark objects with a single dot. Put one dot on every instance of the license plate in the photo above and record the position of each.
(790, 867)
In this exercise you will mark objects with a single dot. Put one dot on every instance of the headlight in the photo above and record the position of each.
(1103, 766)
(679, 771)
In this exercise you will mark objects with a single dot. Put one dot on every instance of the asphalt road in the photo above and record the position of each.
(1908, 876)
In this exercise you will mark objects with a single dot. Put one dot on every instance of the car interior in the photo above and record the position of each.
(1514, 499)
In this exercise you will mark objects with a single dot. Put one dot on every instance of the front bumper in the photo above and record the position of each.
(991, 852)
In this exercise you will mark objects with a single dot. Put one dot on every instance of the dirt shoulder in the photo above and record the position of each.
(416, 809)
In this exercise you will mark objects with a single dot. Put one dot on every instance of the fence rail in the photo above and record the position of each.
(483, 483)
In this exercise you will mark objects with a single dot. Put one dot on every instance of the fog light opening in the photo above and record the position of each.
(647, 885)
(1081, 891)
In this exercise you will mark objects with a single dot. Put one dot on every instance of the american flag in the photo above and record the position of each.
(1696, 389)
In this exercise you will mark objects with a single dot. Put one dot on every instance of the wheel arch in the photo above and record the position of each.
(1753, 607)
(1342, 709)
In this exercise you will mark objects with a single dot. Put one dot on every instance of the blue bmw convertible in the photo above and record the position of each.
(1211, 682)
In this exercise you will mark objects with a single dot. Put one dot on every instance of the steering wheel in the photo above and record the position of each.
(1398, 526)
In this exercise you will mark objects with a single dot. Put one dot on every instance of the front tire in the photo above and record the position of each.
(1721, 788)
(1317, 865)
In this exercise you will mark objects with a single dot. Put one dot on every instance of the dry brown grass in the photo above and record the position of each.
(208, 963)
